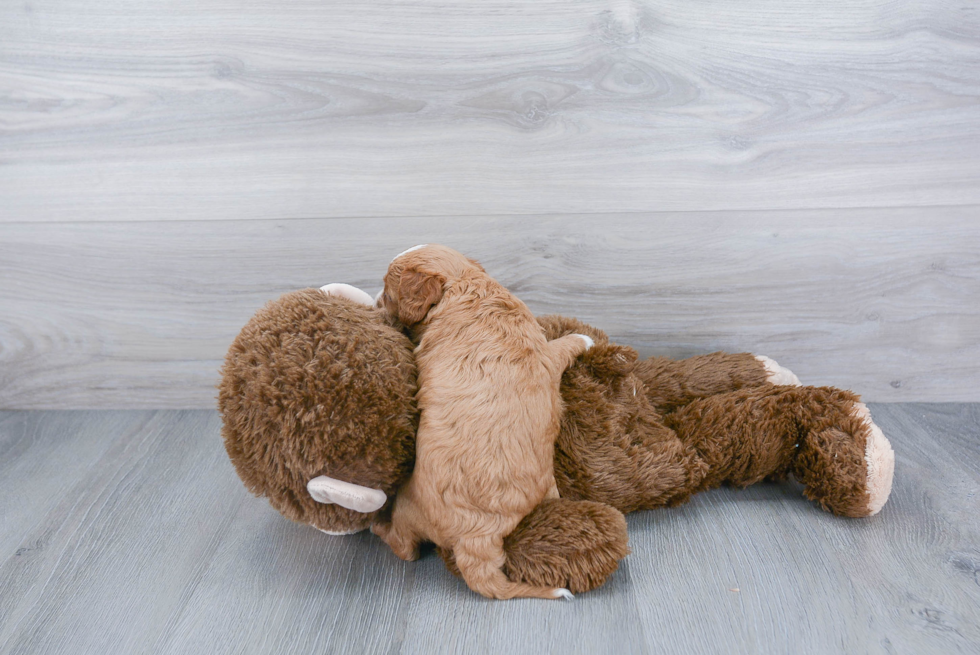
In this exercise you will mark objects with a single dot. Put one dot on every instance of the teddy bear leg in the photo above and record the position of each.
(823, 436)
(562, 543)
(672, 383)
(743, 437)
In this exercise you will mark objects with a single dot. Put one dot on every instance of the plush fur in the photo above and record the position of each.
(490, 410)
(320, 386)
(668, 429)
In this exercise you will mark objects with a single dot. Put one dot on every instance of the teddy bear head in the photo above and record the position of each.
(317, 398)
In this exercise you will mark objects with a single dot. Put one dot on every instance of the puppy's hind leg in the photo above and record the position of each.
(563, 351)
(480, 560)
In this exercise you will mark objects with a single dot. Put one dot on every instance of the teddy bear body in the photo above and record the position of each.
(320, 384)
(645, 434)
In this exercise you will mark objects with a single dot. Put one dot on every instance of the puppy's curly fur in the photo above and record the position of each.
(490, 411)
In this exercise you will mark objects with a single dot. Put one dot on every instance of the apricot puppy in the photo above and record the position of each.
(490, 411)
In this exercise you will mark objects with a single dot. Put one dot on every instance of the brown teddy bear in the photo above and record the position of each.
(317, 399)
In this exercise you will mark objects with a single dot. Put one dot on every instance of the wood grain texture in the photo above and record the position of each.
(140, 315)
(148, 543)
(203, 109)
(904, 581)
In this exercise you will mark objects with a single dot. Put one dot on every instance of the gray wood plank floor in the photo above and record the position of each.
(140, 315)
(128, 532)
(206, 109)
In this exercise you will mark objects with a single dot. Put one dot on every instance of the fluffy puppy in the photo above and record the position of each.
(490, 410)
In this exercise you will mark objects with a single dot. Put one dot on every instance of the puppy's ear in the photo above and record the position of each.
(417, 293)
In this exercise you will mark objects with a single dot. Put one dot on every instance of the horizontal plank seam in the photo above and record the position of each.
(782, 210)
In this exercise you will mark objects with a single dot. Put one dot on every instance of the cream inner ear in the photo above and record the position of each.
(351, 496)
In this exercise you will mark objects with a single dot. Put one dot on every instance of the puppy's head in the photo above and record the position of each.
(417, 279)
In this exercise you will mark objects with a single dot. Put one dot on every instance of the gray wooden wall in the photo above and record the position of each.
(799, 179)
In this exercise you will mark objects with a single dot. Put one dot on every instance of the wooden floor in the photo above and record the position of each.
(128, 532)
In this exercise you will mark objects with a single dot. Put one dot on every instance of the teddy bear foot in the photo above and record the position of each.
(847, 468)
(778, 374)
(880, 459)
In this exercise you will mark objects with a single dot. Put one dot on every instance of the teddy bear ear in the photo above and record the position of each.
(351, 496)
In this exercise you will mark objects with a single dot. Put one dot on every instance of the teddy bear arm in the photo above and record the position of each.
(564, 543)
(673, 383)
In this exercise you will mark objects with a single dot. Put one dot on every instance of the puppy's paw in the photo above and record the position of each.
(347, 291)
(564, 594)
(879, 458)
(402, 548)
(587, 339)
(778, 374)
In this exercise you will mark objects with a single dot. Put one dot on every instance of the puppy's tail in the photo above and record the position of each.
(480, 561)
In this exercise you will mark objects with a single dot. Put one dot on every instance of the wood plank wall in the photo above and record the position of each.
(800, 180)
